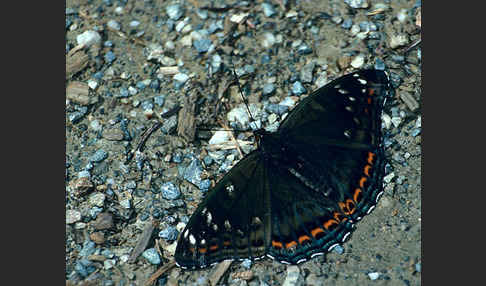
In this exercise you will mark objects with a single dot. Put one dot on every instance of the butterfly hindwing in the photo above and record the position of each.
(229, 222)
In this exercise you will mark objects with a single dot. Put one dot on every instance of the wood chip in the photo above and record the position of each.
(80, 186)
(76, 60)
(168, 70)
(409, 101)
(78, 92)
(186, 126)
(219, 271)
(143, 241)
(244, 275)
(418, 19)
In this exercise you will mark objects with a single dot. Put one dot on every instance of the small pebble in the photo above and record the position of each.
(103, 221)
(374, 275)
(110, 57)
(98, 156)
(356, 4)
(159, 100)
(114, 25)
(268, 89)
(348, 23)
(89, 248)
(268, 9)
(388, 178)
(97, 199)
(398, 41)
(418, 267)
(109, 263)
(202, 45)
(170, 191)
(180, 79)
(338, 249)
(152, 256)
(174, 11)
(88, 38)
(219, 137)
(134, 23)
(169, 234)
(72, 216)
(298, 88)
(358, 61)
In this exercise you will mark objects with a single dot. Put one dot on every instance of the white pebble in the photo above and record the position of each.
(93, 84)
(374, 275)
(220, 137)
(88, 38)
(357, 62)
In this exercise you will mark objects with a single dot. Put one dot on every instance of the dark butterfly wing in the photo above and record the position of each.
(229, 222)
(333, 167)
(299, 194)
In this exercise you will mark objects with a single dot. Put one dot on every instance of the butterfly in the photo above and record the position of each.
(301, 191)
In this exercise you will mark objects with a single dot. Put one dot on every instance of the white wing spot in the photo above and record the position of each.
(209, 217)
(349, 108)
(317, 254)
(351, 98)
(347, 133)
(346, 236)
(215, 227)
(186, 233)
(301, 260)
(192, 239)
(362, 81)
(227, 224)
(343, 91)
(378, 196)
(332, 246)
(371, 208)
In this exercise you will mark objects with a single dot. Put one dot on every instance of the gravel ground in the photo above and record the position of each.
(128, 62)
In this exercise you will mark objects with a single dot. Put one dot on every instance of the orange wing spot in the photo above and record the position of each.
(361, 182)
(366, 110)
(367, 170)
(371, 157)
(316, 231)
(329, 223)
(203, 250)
(213, 247)
(277, 244)
(369, 100)
(371, 91)
(226, 243)
(351, 206)
(357, 192)
(304, 238)
(348, 207)
(290, 244)
(339, 216)
(191, 249)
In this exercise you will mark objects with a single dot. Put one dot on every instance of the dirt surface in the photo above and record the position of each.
(113, 116)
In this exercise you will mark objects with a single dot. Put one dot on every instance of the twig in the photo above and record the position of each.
(142, 241)
(233, 139)
(159, 272)
(219, 271)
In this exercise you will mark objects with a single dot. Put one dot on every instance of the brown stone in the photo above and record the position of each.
(103, 221)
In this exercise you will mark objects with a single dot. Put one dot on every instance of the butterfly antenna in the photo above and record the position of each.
(242, 96)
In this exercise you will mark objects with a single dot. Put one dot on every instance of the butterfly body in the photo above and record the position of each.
(300, 193)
